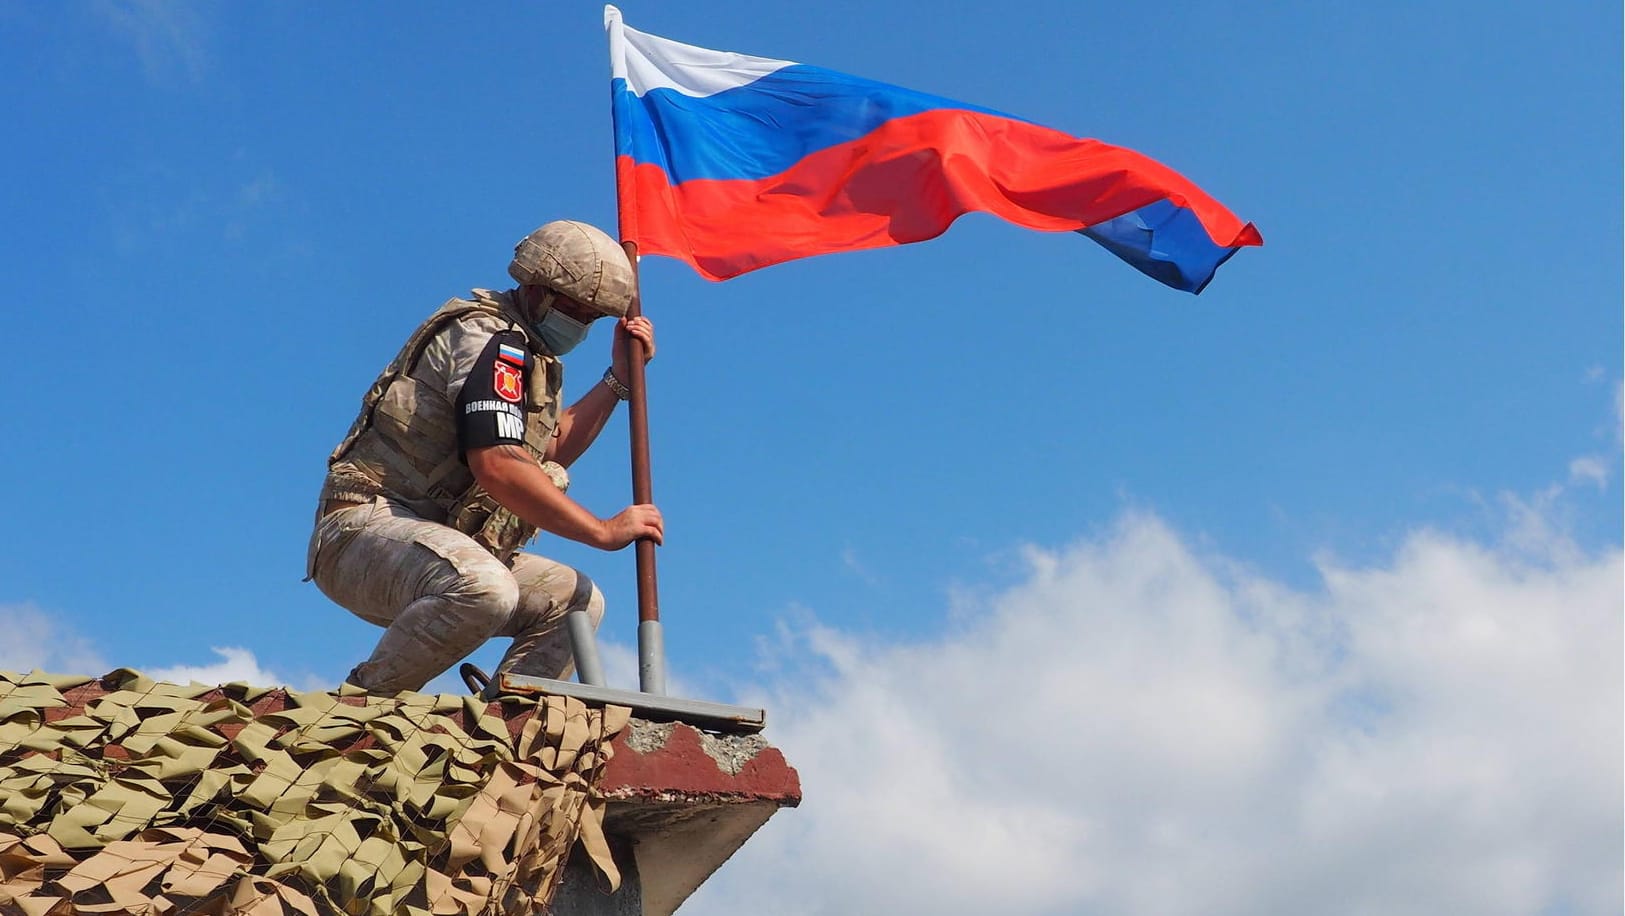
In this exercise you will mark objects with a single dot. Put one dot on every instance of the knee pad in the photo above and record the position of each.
(595, 603)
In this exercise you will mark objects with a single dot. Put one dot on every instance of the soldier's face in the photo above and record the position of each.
(576, 310)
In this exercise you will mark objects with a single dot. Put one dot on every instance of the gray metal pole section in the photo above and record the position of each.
(584, 646)
(651, 658)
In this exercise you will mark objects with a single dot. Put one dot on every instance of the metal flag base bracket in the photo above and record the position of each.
(592, 689)
(718, 717)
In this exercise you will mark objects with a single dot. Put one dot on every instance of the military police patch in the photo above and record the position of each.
(508, 382)
(491, 406)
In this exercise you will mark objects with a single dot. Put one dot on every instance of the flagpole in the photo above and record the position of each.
(651, 645)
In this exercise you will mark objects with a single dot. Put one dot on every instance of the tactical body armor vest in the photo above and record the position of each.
(403, 445)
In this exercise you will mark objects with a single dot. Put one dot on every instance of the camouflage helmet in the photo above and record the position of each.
(579, 261)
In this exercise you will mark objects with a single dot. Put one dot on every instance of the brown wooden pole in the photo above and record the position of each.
(638, 420)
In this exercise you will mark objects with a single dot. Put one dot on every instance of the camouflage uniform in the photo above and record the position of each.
(405, 538)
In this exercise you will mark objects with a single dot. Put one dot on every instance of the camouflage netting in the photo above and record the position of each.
(122, 795)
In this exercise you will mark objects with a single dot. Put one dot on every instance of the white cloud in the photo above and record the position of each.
(1590, 469)
(849, 560)
(170, 39)
(1139, 728)
(262, 189)
(235, 664)
(33, 639)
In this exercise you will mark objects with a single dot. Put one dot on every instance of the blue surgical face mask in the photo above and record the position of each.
(559, 332)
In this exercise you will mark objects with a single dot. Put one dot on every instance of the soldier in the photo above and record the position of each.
(459, 457)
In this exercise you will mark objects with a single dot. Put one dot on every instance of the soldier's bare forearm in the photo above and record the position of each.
(514, 478)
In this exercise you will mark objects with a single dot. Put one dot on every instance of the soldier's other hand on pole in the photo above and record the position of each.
(639, 328)
(631, 524)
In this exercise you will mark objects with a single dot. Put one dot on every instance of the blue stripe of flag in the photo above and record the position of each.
(1164, 242)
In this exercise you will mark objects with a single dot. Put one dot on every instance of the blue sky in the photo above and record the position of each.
(224, 219)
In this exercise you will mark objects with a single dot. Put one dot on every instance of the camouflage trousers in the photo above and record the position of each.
(439, 596)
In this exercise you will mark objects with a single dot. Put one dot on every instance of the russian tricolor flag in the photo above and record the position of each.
(732, 163)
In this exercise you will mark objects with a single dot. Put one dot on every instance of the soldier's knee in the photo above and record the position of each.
(488, 593)
(496, 595)
(467, 575)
